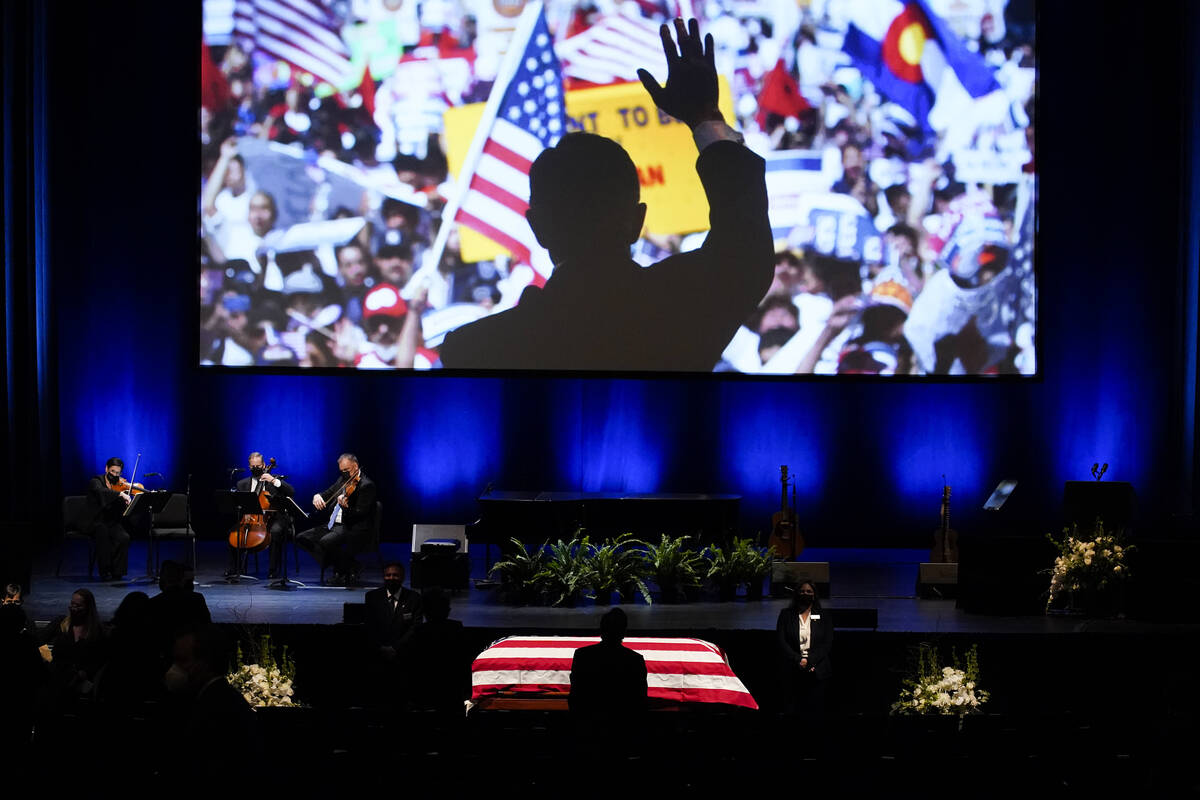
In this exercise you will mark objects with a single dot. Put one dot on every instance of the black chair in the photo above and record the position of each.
(372, 543)
(171, 524)
(74, 510)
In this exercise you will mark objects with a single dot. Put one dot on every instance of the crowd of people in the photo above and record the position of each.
(909, 251)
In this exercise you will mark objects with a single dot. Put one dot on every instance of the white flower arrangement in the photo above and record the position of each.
(1087, 564)
(934, 689)
(268, 683)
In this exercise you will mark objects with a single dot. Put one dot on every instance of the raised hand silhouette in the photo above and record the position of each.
(690, 94)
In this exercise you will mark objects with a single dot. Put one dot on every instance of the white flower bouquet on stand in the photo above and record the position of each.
(1088, 568)
(935, 689)
(267, 682)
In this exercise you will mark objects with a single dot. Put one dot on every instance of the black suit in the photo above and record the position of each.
(676, 315)
(388, 626)
(104, 523)
(280, 527)
(339, 544)
(804, 687)
(608, 681)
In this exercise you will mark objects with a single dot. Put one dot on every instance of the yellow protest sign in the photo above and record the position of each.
(661, 149)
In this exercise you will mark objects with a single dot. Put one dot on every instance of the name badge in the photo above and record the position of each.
(815, 616)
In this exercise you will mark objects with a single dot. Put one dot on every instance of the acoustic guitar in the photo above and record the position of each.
(945, 538)
(785, 533)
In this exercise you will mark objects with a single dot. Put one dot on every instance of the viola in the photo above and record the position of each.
(253, 532)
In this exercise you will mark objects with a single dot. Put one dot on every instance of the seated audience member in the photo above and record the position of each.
(217, 717)
(78, 643)
(608, 680)
(177, 608)
(22, 674)
(13, 596)
(804, 637)
(439, 658)
(134, 669)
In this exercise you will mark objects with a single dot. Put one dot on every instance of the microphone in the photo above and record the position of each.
(234, 470)
(153, 474)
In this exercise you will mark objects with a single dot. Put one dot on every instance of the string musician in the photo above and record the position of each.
(351, 499)
(279, 523)
(108, 495)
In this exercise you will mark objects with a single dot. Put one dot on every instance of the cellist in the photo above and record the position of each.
(279, 524)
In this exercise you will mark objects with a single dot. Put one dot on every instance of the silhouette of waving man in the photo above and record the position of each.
(600, 310)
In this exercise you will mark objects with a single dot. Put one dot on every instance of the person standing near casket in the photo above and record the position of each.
(805, 639)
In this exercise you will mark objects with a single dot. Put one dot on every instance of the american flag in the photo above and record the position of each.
(304, 33)
(612, 49)
(529, 118)
(678, 670)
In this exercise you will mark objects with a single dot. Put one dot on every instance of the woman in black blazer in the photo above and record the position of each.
(805, 638)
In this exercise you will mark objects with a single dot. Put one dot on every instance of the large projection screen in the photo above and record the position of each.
(364, 177)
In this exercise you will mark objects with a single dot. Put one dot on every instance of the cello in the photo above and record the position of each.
(252, 533)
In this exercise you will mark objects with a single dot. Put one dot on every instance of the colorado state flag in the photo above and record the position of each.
(907, 51)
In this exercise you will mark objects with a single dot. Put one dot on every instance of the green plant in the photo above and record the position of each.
(617, 566)
(567, 571)
(520, 573)
(675, 567)
(757, 559)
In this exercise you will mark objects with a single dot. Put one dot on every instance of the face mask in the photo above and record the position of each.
(346, 474)
(392, 586)
(257, 471)
(176, 679)
(114, 479)
(804, 600)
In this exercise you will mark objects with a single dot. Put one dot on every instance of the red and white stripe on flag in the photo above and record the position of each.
(498, 195)
(301, 32)
(678, 670)
(612, 49)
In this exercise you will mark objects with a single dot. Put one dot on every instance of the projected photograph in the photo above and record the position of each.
(364, 182)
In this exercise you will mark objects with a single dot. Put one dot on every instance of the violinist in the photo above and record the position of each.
(279, 523)
(107, 497)
(352, 500)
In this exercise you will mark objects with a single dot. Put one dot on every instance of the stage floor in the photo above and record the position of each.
(879, 579)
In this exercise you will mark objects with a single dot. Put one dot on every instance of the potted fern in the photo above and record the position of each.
(521, 573)
(618, 568)
(677, 569)
(726, 569)
(758, 567)
(567, 571)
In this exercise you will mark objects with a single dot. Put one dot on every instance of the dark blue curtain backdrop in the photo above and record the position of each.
(1115, 351)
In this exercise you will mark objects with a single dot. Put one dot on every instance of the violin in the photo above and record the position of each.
(252, 533)
(123, 485)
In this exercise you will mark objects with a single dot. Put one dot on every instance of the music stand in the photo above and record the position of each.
(150, 503)
(237, 505)
(287, 505)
